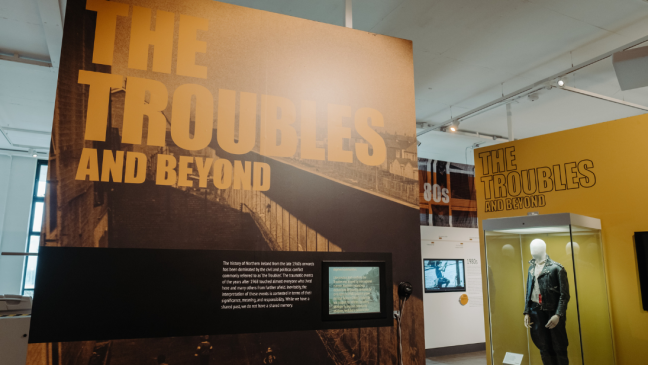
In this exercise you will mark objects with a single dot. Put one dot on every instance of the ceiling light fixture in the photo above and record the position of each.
(561, 83)
(454, 126)
(33, 152)
(534, 96)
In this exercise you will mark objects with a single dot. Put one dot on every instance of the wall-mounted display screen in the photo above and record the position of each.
(353, 290)
(442, 275)
(641, 245)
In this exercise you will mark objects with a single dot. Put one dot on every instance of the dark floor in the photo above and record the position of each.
(243, 349)
(470, 358)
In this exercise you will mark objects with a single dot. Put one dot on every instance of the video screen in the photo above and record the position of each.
(353, 289)
(442, 275)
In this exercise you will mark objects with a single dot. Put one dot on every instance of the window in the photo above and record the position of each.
(35, 225)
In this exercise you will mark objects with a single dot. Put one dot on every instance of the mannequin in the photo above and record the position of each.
(547, 296)
(539, 254)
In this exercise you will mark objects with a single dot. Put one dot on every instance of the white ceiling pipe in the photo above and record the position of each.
(603, 97)
(12, 153)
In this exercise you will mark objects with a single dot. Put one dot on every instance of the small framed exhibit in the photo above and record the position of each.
(354, 290)
(444, 275)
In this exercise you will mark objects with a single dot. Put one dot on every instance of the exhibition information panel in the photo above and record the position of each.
(200, 292)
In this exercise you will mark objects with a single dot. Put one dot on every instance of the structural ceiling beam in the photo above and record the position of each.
(50, 14)
(16, 58)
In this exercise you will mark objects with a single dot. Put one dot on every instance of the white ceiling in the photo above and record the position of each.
(451, 147)
(21, 29)
(29, 29)
(466, 53)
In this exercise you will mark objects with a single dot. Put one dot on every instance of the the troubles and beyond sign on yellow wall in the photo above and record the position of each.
(597, 171)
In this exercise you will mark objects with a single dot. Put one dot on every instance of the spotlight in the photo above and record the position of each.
(533, 97)
(561, 83)
(33, 152)
(454, 126)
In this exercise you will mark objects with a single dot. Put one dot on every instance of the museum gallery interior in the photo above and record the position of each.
(330, 182)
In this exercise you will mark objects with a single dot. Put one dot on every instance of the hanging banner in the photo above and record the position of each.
(447, 196)
(194, 144)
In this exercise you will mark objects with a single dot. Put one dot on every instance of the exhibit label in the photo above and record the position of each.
(226, 291)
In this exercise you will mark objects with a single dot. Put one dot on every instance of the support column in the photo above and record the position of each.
(348, 14)
(509, 122)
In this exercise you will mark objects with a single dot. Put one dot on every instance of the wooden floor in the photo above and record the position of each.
(471, 358)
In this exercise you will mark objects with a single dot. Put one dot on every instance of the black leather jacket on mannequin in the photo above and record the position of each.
(554, 287)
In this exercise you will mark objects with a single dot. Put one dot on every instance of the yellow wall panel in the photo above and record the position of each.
(616, 152)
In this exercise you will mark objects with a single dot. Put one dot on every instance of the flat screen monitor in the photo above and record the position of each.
(444, 275)
(641, 246)
(354, 290)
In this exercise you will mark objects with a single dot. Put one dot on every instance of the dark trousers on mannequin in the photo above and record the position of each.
(552, 343)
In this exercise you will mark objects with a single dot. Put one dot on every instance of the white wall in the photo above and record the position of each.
(17, 175)
(447, 322)
(451, 147)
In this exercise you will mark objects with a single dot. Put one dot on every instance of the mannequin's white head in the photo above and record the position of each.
(538, 249)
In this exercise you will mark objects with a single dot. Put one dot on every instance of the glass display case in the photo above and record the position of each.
(550, 268)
